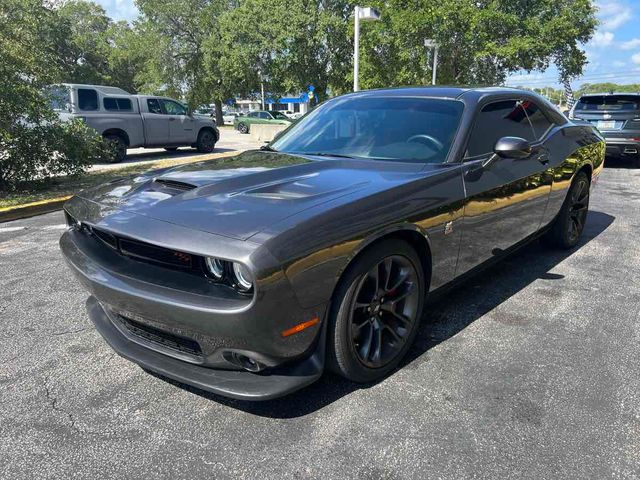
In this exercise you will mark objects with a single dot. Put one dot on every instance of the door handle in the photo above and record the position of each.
(171, 119)
(543, 158)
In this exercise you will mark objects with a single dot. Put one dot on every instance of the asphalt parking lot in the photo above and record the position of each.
(528, 371)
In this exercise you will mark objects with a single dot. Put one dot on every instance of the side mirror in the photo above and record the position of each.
(513, 147)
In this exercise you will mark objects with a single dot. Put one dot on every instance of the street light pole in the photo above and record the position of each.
(356, 49)
(261, 89)
(360, 13)
(435, 65)
(429, 43)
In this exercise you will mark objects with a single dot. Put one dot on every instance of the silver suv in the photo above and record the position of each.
(617, 116)
(130, 121)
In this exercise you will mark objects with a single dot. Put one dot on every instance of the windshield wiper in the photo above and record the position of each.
(324, 154)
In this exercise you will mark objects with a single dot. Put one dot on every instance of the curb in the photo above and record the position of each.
(32, 209)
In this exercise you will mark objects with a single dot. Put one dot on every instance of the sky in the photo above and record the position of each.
(613, 52)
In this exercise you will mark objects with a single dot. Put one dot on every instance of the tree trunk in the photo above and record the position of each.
(218, 105)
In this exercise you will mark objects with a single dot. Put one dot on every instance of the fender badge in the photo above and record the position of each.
(448, 228)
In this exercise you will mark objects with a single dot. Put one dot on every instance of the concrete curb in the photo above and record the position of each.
(8, 214)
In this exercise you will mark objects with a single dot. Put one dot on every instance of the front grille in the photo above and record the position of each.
(161, 338)
(151, 253)
(147, 252)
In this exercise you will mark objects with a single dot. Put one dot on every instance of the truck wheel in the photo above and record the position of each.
(243, 128)
(119, 147)
(206, 141)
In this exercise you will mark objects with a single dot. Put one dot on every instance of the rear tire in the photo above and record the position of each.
(206, 141)
(119, 148)
(375, 312)
(568, 226)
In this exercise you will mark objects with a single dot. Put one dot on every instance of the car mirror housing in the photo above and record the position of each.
(513, 147)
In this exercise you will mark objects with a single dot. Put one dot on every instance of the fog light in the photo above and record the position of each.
(244, 361)
(242, 276)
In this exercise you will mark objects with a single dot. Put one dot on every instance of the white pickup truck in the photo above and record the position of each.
(130, 121)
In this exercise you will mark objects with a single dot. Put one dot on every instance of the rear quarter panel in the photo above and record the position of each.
(571, 147)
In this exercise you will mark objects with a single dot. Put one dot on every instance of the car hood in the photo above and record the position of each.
(240, 196)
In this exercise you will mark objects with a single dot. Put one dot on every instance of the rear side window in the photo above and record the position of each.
(87, 99)
(154, 105)
(119, 104)
(609, 102)
(264, 116)
(506, 118)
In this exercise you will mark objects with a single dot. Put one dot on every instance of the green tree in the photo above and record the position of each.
(176, 33)
(481, 41)
(33, 141)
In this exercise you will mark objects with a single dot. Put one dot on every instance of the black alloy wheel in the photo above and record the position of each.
(384, 311)
(569, 224)
(578, 209)
(377, 311)
(243, 128)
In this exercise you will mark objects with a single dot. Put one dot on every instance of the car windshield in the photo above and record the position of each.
(279, 115)
(371, 127)
(609, 102)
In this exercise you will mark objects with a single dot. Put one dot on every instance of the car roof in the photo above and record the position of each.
(101, 88)
(438, 91)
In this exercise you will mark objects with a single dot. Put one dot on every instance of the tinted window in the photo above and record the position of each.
(264, 116)
(153, 104)
(252, 115)
(87, 99)
(609, 102)
(496, 120)
(539, 121)
(377, 128)
(173, 108)
(117, 104)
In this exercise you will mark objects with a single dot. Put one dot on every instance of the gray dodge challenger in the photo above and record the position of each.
(248, 276)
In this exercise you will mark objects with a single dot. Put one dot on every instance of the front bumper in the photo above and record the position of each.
(238, 384)
(178, 306)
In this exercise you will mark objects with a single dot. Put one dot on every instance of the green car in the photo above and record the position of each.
(243, 123)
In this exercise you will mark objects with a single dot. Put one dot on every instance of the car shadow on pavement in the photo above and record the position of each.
(444, 318)
(616, 162)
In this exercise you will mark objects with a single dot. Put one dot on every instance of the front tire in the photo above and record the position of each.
(568, 226)
(243, 128)
(375, 312)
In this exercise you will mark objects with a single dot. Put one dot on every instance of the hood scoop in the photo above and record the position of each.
(169, 186)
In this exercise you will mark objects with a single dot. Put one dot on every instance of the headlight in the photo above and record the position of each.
(231, 273)
(242, 277)
(215, 267)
